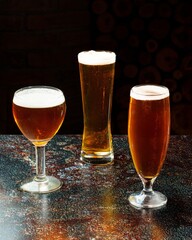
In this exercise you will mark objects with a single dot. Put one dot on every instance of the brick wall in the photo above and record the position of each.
(39, 42)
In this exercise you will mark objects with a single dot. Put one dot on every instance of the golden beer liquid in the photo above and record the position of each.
(97, 89)
(38, 114)
(148, 134)
(39, 125)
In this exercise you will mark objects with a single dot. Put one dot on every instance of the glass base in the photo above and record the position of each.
(97, 158)
(51, 184)
(148, 199)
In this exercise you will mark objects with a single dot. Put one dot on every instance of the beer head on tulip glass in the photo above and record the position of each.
(148, 136)
(39, 112)
(97, 69)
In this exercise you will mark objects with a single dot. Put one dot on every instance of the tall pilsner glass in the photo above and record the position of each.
(97, 69)
(39, 112)
(148, 136)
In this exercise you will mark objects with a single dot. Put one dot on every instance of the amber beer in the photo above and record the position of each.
(39, 113)
(97, 77)
(148, 128)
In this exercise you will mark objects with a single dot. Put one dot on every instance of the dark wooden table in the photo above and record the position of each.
(93, 202)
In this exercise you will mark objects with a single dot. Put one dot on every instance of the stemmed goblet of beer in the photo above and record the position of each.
(148, 137)
(39, 111)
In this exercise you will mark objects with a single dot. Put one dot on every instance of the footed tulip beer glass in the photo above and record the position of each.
(97, 69)
(148, 136)
(39, 112)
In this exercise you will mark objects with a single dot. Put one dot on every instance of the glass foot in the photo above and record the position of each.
(148, 199)
(50, 185)
(97, 158)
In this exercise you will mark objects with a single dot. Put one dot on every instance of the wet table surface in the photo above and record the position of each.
(93, 202)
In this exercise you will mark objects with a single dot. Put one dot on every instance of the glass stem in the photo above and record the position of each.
(148, 185)
(40, 164)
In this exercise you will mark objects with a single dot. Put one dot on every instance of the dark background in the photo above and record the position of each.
(40, 40)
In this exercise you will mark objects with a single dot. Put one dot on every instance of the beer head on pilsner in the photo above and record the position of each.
(148, 128)
(39, 112)
(149, 92)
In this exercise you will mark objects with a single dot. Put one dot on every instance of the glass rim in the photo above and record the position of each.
(97, 51)
(149, 92)
(38, 86)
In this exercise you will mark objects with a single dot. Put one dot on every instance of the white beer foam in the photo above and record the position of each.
(96, 57)
(149, 92)
(38, 98)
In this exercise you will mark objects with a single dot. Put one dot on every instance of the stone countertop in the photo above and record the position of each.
(93, 201)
